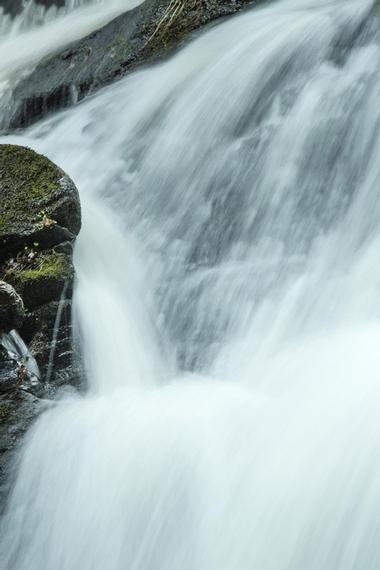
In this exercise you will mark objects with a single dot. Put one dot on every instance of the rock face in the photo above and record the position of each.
(16, 416)
(141, 35)
(11, 308)
(39, 220)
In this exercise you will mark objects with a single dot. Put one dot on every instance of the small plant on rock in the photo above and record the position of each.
(25, 259)
(44, 219)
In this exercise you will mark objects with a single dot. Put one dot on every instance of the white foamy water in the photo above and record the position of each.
(228, 309)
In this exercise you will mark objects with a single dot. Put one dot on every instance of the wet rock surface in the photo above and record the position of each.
(11, 308)
(39, 220)
(144, 34)
(18, 410)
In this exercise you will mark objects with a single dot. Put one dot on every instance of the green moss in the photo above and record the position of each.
(4, 411)
(28, 181)
(42, 280)
(53, 265)
(47, 265)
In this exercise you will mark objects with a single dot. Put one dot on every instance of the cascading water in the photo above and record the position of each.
(228, 309)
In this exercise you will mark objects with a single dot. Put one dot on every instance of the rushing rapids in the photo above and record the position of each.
(227, 307)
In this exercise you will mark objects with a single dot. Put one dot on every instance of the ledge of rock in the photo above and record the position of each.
(39, 219)
(144, 34)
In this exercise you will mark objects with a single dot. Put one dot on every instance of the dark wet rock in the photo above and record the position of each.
(49, 340)
(144, 34)
(39, 203)
(11, 308)
(39, 220)
(17, 413)
(8, 373)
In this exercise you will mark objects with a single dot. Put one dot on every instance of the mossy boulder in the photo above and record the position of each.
(39, 203)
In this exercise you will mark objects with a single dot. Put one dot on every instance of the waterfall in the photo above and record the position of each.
(227, 307)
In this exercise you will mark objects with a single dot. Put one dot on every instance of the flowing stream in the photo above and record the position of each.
(227, 304)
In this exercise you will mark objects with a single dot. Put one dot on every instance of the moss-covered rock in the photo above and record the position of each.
(43, 280)
(39, 219)
(39, 203)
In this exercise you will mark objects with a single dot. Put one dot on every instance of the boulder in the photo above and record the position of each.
(144, 34)
(39, 203)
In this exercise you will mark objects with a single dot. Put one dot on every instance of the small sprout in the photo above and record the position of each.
(48, 222)
(4, 410)
(26, 259)
(44, 220)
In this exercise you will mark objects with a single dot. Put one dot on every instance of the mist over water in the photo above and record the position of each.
(227, 306)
